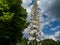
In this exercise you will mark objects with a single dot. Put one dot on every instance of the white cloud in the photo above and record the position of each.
(50, 37)
(50, 7)
(55, 37)
(45, 4)
(43, 36)
(57, 34)
(56, 28)
(26, 3)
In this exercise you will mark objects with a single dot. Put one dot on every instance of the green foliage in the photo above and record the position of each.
(5, 15)
(50, 42)
(58, 42)
(12, 20)
(44, 42)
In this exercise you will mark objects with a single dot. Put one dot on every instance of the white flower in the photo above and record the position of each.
(28, 42)
(38, 33)
(35, 26)
(37, 40)
(31, 38)
(35, 22)
(32, 31)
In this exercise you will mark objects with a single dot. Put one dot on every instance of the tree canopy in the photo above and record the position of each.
(12, 20)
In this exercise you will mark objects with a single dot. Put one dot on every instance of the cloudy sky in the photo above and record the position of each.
(50, 17)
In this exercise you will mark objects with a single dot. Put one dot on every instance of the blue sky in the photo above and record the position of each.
(50, 17)
(47, 29)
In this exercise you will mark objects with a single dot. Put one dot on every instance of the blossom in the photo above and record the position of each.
(31, 38)
(34, 22)
(37, 40)
(32, 31)
(38, 33)
(35, 26)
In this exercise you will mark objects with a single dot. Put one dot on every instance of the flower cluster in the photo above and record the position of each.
(31, 38)
(32, 31)
(37, 40)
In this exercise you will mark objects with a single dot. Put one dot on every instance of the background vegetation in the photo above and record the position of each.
(44, 42)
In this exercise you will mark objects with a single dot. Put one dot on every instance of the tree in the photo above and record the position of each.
(58, 42)
(12, 20)
(49, 42)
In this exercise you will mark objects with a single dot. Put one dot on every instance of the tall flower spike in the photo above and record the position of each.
(34, 25)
